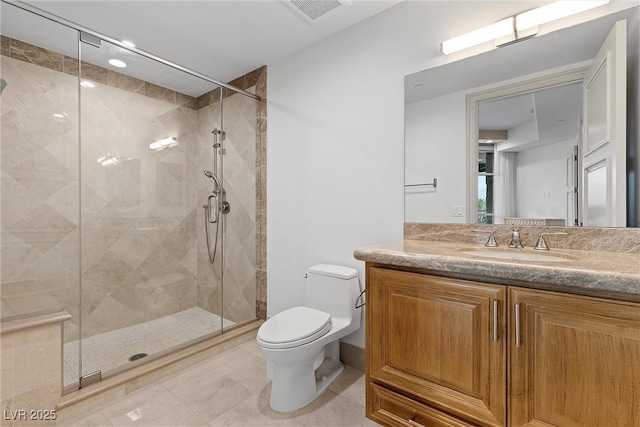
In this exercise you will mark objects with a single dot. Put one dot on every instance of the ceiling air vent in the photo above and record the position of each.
(314, 9)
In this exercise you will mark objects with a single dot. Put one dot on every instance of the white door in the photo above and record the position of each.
(571, 182)
(604, 142)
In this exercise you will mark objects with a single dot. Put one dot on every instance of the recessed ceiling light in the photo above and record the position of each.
(117, 63)
(87, 83)
(128, 43)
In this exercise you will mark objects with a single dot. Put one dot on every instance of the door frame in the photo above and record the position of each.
(572, 75)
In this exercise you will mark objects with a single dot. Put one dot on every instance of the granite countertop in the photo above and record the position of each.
(605, 274)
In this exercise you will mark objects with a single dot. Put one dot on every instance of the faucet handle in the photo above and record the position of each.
(542, 244)
(491, 241)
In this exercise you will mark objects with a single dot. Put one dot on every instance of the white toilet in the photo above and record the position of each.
(302, 344)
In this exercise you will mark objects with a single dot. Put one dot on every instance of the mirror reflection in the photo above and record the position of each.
(517, 157)
(527, 149)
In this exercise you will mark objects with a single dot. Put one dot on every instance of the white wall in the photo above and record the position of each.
(435, 147)
(541, 180)
(335, 137)
(335, 151)
(336, 141)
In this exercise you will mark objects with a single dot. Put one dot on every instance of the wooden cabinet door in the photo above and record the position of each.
(432, 338)
(577, 362)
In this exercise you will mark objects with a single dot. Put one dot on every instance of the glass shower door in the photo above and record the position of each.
(241, 225)
(142, 192)
(40, 172)
(120, 179)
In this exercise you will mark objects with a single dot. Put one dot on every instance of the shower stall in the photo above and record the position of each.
(106, 211)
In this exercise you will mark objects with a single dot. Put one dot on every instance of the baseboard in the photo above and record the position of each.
(352, 355)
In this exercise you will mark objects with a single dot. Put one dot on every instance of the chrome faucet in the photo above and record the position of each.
(542, 244)
(515, 239)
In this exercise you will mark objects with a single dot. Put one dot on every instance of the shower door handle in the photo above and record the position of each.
(216, 210)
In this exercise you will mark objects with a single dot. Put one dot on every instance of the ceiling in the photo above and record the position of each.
(538, 118)
(221, 39)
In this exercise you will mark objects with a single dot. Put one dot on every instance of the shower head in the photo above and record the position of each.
(3, 84)
(211, 175)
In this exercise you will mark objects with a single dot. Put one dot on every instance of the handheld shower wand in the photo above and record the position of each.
(211, 175)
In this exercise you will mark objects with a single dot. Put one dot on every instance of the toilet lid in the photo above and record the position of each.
(295, 326)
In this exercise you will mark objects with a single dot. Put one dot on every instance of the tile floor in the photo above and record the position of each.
(229, 389)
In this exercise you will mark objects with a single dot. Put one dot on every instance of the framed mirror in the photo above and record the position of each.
(535, 86)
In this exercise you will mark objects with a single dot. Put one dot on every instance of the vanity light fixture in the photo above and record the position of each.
(117, 63)
(495, 31)
(165, 143)
(553, 11)
(520, 26)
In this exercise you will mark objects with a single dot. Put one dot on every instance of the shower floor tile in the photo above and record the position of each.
(111, 350)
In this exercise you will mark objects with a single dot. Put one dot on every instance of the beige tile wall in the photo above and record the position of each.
(39, 167)
(143, 253)
(209, 275)
(137, 227)
(237, 166)
(239, 290)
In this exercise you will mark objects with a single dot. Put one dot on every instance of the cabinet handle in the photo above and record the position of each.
(414, 423)
(517, 325)
(495, 320)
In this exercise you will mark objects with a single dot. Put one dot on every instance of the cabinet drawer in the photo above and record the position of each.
(391, 409)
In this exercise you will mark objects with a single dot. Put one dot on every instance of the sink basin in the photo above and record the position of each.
(516, 255)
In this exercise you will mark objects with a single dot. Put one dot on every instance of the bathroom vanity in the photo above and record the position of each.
(459, 335)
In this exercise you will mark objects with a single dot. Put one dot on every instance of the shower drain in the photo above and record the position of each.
(137, 356)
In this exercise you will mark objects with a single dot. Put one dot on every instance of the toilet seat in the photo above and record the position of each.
(294, 327)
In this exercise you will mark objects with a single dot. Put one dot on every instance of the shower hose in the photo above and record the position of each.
(212, 256)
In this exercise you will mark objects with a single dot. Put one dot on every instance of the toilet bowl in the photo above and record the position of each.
(302, 344)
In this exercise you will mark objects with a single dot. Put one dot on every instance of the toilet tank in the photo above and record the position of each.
(332, 289)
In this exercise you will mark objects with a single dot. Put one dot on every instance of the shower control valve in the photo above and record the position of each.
(224, 207)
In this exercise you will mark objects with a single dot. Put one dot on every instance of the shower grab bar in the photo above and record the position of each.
(434, 184)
